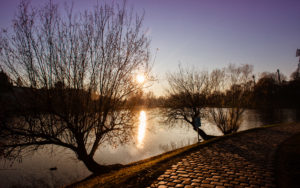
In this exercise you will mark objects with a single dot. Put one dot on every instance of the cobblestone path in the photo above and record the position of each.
(245, 160)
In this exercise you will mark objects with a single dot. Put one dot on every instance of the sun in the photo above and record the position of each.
(140, 78)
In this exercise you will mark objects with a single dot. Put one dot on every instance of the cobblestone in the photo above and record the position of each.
(244, 160)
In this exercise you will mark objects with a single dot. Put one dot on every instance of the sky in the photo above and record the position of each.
(209, 34)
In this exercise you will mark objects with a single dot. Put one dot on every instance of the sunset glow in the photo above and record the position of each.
(141, 129)
(140, 78)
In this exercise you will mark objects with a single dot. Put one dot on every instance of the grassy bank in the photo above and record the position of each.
(142, 173)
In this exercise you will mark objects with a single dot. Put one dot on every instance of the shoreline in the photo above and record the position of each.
(143, 172)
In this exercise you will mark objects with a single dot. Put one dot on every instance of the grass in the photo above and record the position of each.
(142, 173)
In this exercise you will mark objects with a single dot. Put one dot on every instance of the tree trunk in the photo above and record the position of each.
(203, 135)
(93, 166)
(89, 161)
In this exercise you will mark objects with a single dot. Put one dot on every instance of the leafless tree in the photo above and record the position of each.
(234, 82)
(76, 72)
(187, 96)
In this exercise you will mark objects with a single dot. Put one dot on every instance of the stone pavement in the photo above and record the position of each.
(244, 160)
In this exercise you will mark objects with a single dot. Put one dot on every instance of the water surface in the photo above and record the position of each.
(152, 137)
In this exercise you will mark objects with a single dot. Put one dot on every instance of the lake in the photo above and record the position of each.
(152, 137)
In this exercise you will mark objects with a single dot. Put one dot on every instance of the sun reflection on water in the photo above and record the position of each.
(141, 129)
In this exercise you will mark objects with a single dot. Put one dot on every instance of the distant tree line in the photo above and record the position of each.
(271, 92)
(267, 92)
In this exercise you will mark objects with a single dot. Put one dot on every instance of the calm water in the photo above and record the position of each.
(151, 138)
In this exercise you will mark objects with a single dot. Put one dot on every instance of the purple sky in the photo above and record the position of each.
(212, 33)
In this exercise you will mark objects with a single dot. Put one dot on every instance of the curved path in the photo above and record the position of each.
(244, 160)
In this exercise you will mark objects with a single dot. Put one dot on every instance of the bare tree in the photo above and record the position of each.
(230, 86)
(76, 72)
(187, 97)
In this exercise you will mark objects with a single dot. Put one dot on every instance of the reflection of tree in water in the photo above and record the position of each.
(32, 181)
(272, 116)
(50, 180)
(49, 175)
(175, 145)
(268, 116)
